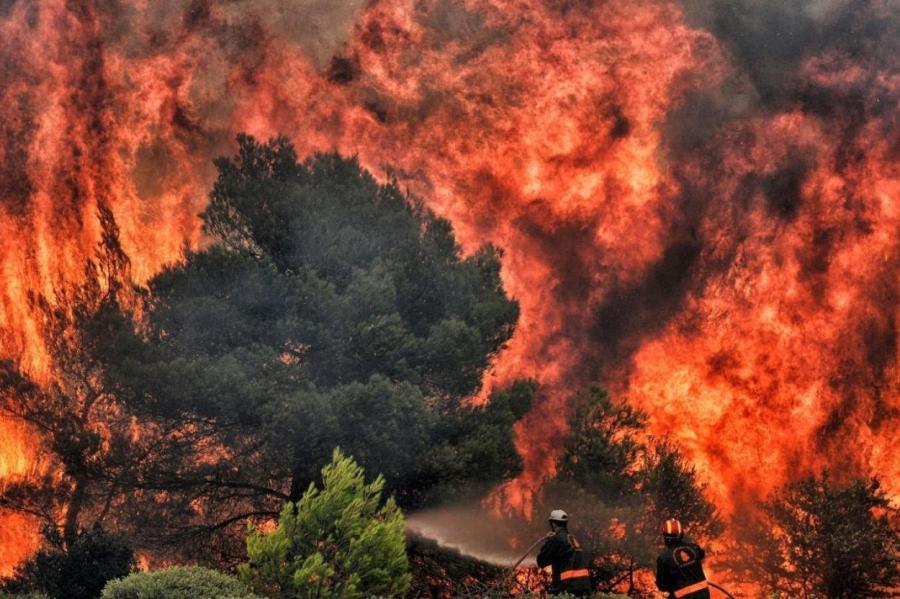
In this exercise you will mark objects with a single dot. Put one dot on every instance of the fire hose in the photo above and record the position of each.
(717, 587)
(721, 589)
(528, 552)
(512, 570)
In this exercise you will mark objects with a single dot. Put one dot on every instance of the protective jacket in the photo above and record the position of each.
(679, 572)
(570, 566)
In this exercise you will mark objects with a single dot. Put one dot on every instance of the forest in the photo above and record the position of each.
(259, 419)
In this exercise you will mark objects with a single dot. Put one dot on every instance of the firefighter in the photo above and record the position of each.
(563, 553)
(679, 568)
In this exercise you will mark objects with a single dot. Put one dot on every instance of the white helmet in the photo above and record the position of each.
(559, 516)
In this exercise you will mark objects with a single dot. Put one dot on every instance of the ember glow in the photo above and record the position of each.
(702, 218)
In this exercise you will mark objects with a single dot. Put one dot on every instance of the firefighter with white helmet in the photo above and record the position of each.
(562, 552)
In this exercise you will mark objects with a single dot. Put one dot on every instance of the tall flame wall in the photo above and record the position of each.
(697, 202)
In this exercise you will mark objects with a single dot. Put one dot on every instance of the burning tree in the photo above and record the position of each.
(90, 442)
(819, 538)
(105, 465)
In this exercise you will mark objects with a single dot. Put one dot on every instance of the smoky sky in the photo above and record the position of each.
(770, 45)
(832, 62)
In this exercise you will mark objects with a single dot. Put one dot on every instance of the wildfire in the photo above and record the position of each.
(721, 256)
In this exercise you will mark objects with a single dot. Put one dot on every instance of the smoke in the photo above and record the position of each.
(317, 27)
(772, 41)
(824, 74)
(696, 201)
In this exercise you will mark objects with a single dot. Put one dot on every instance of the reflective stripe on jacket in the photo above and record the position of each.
(563, 554)
(679, 571)
(570, 574)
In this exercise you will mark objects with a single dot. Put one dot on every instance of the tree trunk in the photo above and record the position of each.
(70, 525)
(297, 484)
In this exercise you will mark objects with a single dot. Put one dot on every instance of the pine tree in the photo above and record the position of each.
(328, 310)
(340, 541)
(835, 541)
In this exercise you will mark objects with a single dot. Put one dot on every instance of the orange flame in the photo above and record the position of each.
(740, 287)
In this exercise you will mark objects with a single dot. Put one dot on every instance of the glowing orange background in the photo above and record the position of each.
(763, 339)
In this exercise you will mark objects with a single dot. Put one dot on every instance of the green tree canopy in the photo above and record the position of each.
(340, 541)
(329, 310)
(370, 282)
(601, 449)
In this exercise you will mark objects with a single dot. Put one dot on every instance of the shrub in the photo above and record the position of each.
(341, 542)
(79, 571)
(177, 583)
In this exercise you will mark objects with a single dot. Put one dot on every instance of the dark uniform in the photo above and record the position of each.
(679, 571)
(570, 569)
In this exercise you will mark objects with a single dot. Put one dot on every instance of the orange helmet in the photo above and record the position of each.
(672, 528)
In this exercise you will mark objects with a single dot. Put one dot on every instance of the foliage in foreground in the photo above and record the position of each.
(340, 541)
(78, 571)
(505, 595)
(177, 583)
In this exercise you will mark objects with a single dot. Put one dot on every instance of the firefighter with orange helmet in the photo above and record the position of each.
(563, 553)
(679, 568)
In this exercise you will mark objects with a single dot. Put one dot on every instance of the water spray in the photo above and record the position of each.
(458, 528)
